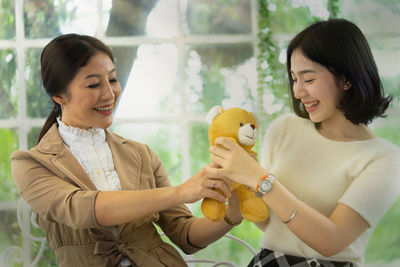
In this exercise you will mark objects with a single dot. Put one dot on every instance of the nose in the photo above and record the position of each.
(108, 91)
(252, 126)
(299, 90)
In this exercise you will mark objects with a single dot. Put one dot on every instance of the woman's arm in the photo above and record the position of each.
(203, 231)
(118, 207)
(326, 235)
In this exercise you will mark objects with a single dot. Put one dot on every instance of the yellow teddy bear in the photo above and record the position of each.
(240, 126)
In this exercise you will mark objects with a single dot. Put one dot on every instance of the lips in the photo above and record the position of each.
(311, 106)
(104, 109)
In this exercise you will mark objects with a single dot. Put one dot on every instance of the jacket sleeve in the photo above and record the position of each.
(176, 221)
(51, 197)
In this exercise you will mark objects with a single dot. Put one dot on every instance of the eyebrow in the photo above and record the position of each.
(98, 75)
(304, 72)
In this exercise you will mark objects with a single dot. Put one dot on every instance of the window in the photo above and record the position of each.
(175, 59)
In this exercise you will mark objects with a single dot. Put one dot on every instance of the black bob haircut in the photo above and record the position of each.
(340, 46)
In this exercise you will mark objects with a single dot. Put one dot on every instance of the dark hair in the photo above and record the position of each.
(340, 46)
(60, 61)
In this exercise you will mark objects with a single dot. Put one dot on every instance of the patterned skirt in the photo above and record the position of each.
(269, 258)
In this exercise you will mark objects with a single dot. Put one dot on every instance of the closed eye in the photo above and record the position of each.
(309, 81)
(94, 85)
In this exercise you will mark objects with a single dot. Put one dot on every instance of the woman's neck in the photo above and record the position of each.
(341, 129)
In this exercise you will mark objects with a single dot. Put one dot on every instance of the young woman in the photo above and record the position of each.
(326, 177)
(98, 195)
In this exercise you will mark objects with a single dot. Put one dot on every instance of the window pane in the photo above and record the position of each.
(220, 75)
(151, 87)
(290, 16)
(38, 102)
(227, 250)
(9, 143)
(217, 17)
(33, 136)
(7, 21)
(143, 17)
(199, 144)
(124, 56)
(387, 55)
(384, 243)
(48, 18)
(8, 90)
(373, 16)
(163, 139)
(9, 230)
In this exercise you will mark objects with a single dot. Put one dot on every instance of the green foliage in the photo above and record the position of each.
(8, 94)
(333, 8)
(38, 102)
(42, 18)
(7, 21)
(199, 154)
(9, 143)
(384, 245)
(392, 87)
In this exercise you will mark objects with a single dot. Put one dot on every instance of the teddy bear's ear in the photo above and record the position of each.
(214, 111)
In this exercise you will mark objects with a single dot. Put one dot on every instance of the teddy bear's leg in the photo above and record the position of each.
(252, 208)
(213, 209)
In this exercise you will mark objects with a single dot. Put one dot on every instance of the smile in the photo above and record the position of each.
(310, 104)
(108, 108)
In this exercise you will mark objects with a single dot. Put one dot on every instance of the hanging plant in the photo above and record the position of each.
(333, 8)
(272, 85)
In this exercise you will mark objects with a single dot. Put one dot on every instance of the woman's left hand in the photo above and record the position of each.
(233, 208)
(235, 163)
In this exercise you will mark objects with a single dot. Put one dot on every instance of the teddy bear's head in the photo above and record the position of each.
(236, 123)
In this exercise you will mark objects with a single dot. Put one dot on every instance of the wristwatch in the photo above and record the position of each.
(265, 185)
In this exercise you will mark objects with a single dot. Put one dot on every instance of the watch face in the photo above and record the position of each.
(265, 186)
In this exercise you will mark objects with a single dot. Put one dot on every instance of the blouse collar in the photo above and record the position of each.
(73, 136)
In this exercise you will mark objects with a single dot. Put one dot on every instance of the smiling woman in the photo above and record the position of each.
(78, 73)
(98, 196)
(92, 95)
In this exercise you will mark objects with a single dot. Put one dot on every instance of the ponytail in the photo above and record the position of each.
(51, 119)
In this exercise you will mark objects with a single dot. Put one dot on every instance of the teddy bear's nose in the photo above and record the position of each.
(253, 126)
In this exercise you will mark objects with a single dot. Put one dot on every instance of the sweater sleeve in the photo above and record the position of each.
(377, 187)
(50, 196)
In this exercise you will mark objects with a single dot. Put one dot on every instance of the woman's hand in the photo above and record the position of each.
(201, 186)
(233, 208)
(235, 163)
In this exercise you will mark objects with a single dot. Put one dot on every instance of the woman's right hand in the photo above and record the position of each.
(201, 186)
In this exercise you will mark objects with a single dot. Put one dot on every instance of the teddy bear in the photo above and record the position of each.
(240, 126)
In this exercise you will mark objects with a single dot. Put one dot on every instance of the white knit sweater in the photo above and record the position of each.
(363, 175)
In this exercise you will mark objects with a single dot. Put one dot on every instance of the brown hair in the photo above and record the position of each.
(60, 61)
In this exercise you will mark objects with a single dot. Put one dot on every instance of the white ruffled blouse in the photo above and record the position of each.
(93, 153)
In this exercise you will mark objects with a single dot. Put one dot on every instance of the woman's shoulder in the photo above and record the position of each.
(288, 121)
(385, 148)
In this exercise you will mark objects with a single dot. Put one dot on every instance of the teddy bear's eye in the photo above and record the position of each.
(241, 124)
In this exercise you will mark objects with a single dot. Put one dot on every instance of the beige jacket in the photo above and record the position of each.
(58, 189)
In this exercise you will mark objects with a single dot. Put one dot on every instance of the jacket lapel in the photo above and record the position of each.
(127, 162)
(64, 160)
